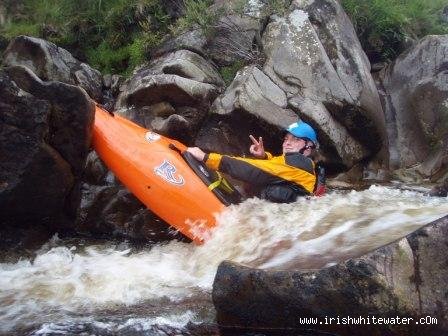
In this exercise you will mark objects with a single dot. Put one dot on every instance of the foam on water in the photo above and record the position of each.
(129, 326)
(310, 233)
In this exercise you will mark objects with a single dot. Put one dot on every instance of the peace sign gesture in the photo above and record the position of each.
(257, 148)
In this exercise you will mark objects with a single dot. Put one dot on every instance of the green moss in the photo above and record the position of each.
(228, 72)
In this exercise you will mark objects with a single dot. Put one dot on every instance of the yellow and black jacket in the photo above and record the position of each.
(281, 178)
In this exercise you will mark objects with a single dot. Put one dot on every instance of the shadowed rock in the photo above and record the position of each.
(111, 210)
(171, 95)
(44, 142)
(51, 63)
(406, 278)
(414, 90)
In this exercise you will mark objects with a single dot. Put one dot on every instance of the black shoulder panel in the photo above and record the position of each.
(299, 161)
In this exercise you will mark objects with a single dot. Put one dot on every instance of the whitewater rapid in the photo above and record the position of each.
(77, 279)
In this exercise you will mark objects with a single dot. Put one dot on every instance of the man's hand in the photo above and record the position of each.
(196, 152)
(257, 148)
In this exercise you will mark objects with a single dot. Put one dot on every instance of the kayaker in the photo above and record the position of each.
(280, 178)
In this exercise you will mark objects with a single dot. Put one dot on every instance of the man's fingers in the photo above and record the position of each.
(260, 141)
(254, 141)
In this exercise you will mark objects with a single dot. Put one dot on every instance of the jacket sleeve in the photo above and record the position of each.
(239, 168)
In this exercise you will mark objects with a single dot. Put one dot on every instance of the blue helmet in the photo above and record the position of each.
(301, 129)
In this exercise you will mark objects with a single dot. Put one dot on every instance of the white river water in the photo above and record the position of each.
(85, 289)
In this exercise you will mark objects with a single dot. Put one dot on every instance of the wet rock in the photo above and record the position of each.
(406, 278)
(111, 210)
(414, 90)
(440, 190)
(51, 63)
(313, 55)
(95, 172)
(435, 165)
(44, 142)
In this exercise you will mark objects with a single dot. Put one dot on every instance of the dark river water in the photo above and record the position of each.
(74, 286)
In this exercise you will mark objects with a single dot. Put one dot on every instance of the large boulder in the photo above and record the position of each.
(51, 63)
(414, 91)
(253, 92)
(405, 279)
(193, 40)
(313, 55)
(171, 95)
(252, 103)
(187, 64)
(45, 137)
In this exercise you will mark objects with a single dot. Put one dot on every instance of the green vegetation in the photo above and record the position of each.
(111, 35)
(384, 26)
(197, 13)
(116, 35)
(228, 72)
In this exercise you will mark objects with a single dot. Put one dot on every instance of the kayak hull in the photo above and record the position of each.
(152, 168)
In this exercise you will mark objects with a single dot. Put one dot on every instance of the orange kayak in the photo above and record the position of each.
(154, 169)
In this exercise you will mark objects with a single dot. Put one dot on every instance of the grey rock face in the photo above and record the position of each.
(187, 64)
(252, 104)
(445, 14)
(253, 92)
(406, 278)
(51, 63)
(171, 95)
(193, 40)
(45, 137)
(236, 35)
(314, 56)
(415, 98)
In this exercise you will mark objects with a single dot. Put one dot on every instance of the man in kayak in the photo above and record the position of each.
(281, 178)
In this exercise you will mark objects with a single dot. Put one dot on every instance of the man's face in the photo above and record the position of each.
(292, 144)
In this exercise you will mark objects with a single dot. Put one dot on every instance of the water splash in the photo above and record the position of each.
(311, 233)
